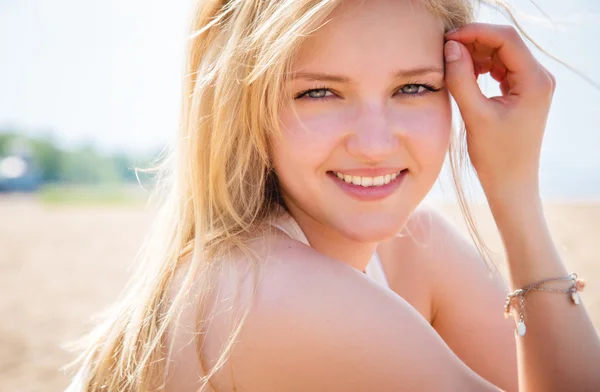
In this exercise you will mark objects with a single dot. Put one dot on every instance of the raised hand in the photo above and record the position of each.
(504, 133)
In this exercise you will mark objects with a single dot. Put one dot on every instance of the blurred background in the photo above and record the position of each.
(90, 90)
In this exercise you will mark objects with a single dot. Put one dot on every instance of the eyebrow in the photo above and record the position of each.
(403, 73)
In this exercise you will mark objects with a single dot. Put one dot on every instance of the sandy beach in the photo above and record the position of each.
(59, 265)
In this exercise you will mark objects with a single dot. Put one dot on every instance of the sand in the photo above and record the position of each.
(59, 265)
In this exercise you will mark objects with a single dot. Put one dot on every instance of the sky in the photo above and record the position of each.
(109, 73)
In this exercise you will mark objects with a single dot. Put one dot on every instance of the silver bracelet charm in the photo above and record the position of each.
(573, 291)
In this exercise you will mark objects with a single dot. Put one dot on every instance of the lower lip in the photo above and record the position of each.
(370, 193)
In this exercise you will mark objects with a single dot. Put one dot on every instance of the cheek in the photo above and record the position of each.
(427, 133)
(310, 137)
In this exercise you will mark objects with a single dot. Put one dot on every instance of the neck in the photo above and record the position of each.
(330, 242)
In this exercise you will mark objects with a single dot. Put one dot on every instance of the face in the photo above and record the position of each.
(365, 102)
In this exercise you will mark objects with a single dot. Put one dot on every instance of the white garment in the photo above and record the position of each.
(289, 226)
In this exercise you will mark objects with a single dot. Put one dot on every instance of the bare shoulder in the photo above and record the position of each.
(450, 256)
(428, 233)
(432, 250)
(315, 321)
(427, 247)
(312, 323)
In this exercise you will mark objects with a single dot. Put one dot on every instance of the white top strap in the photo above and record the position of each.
(375, 270)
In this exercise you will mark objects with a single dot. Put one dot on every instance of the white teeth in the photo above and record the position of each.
(367, 181)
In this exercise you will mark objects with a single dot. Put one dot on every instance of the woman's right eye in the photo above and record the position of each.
(318, 93)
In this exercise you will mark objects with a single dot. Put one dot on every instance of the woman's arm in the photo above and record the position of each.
(561, 350)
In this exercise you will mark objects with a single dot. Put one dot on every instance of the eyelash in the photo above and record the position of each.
(428, 89)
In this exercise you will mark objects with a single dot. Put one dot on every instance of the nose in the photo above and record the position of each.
(372, 139)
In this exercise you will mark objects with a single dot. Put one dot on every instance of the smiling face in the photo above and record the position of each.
(365, 102)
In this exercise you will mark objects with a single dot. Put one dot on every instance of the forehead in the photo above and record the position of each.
(372, 35)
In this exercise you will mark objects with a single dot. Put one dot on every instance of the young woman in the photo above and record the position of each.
(292, 253)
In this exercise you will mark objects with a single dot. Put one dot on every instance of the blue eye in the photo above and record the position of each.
(320, 93)
(413, 89)
(317, 93)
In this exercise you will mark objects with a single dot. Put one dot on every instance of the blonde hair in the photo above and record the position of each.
(217, 185)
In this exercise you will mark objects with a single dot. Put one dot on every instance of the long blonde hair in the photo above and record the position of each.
(216, 185)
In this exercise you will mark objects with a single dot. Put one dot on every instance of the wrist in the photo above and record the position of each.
(517, 212)
(513, 196)
(530, 252)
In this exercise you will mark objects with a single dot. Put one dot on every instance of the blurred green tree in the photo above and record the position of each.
(83, 165)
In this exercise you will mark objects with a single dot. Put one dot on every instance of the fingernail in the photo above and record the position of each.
(452, 31)
(451, 51)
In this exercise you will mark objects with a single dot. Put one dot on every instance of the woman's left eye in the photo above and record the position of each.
(315, 94)
(413, 89)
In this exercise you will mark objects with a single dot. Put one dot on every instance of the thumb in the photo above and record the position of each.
(460, 78)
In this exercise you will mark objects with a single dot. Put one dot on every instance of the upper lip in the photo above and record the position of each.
(370, 172)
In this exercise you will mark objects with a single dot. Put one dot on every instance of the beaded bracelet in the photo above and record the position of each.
(576, 286)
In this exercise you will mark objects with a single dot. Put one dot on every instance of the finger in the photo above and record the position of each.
(505, 87)
(461, 78)
(499, 75)
(480, 52)
(498, 70)
(481, 56)
(483, 66)
(485, 60)
(511, 49)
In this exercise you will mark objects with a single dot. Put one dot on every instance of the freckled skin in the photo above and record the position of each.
(363, 123)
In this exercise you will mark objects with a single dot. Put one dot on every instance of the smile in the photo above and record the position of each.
(369, 188)
(368, 181)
